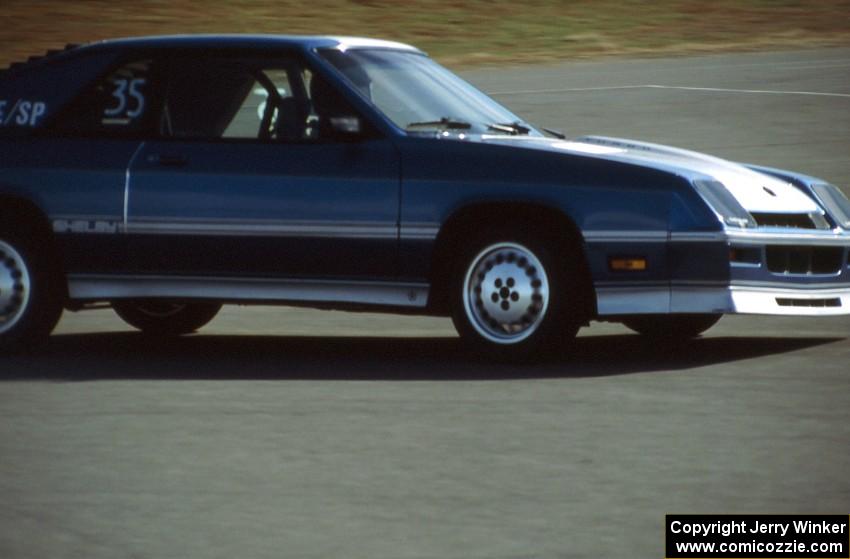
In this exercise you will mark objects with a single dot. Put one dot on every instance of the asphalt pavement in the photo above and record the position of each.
(295, 433)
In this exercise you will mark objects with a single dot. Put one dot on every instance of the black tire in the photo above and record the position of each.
(165, 318)
(31, 292)
(517, 295)
(672, 326)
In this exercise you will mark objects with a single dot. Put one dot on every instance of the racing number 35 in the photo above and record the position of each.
(123, 89)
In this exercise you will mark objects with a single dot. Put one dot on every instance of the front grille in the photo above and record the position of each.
(804, 259)
(795, 221)
(788, 302)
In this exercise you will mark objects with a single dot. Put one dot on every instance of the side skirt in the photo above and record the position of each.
(104, 288)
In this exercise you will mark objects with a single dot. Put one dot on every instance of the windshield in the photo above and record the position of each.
(418, 94)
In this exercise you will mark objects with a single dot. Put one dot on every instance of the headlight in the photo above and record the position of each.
(724, 204)
(834, 202)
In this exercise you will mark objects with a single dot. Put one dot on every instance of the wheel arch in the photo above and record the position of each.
(22, 214)
(473, 217)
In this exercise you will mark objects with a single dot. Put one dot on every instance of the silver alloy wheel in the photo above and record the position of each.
(14, 287)
(506, 293)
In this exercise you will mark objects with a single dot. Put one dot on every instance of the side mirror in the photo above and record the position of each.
(346, 125)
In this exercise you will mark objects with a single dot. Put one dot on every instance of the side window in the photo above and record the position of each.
(327, 104)
(237, 99)
(120, 104)
(263, 101)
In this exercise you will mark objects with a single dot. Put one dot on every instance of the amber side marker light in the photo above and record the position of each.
(627, 264)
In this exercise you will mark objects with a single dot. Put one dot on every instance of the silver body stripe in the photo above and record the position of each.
(632, 300)
(105, 287)
(283, 229)
(782, 286)
(832, 238)
(270, 228)
(419, 230)
(825, 238)
(625, 236)
(698, 237)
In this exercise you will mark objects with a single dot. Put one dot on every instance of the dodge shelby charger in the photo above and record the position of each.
(166, 176)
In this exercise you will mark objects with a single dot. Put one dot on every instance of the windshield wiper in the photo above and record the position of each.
(445, 123)
(512, 128)
(555, 133)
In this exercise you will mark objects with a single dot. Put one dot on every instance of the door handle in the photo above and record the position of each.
(168, 159)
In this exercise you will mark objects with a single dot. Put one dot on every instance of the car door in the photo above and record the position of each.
(244, 182)
(81, 159)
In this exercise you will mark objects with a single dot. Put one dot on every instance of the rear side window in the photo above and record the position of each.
(123, 103)
(35, 93)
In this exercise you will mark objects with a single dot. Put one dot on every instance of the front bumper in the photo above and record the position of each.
(753, 299)
(704, 276)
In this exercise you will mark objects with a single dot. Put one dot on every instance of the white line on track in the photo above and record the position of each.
(682, 88)
(787, 65)
(801, 63)
(805, 66)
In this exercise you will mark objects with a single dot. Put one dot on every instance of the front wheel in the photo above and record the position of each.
(672, 326)
(165, 318)
(514, 298)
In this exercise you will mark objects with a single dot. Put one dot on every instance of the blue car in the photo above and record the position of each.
(167, 176)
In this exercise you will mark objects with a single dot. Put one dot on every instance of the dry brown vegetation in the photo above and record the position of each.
(456, 32)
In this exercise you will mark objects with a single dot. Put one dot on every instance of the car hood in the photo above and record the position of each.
(756, 192)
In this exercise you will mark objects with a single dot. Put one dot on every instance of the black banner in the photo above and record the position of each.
(758, 536)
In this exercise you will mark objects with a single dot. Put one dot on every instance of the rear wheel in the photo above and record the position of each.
(672, 326)
(513, 298)
(165, 318)
(30, 293)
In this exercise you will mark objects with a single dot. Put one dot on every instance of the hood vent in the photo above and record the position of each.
(794, 221)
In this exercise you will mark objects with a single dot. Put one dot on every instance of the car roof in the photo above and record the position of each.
(246, 41)
(201, 41)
